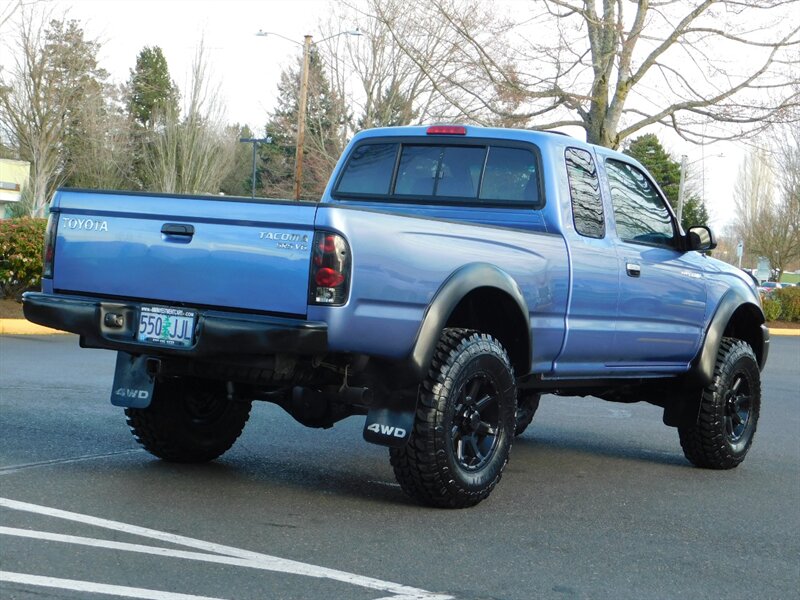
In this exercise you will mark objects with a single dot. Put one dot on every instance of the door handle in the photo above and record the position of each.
(177, 229)
(633, 269)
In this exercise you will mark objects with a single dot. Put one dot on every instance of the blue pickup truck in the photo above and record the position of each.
(448, 277)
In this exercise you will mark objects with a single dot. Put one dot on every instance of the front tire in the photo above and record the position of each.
(189, 420)
(729, 410)
(464, 425)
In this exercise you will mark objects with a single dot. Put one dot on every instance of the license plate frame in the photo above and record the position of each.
(167, 326)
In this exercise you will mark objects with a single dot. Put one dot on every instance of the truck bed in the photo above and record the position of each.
(230, 253)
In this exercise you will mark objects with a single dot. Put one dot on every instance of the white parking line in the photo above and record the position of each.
(247, 558)
(97, 588)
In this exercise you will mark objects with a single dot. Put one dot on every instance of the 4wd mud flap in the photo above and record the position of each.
(133, 385)
(389, 421)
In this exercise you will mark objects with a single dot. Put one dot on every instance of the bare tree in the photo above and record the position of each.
(709, 69)
(767, 218)
(193, 154)
(10, 7)
(390, 89)
(53, 79)
(787, 163)
(103, 156)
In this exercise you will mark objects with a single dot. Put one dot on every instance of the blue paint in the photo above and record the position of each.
(588, 316)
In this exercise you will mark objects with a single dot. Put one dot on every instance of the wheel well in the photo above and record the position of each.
(745, 324)
(492, 311)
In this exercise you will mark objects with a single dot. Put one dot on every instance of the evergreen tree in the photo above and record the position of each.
(72, 69)
(239, 181)
(667, 173)
(152, 91)
(324, 140)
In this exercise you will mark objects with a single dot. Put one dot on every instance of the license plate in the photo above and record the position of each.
(166, 326)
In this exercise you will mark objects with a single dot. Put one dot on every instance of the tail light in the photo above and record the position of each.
(330, 270)
(50, 245)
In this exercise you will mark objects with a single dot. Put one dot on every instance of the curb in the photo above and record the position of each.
(794, 332)
(23, 327)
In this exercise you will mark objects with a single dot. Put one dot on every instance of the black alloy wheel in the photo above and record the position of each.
(729, 410)
(464, 424)
(737, 409)
(476, 422)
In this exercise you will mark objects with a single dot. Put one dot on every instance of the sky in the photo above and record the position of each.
(248, 67)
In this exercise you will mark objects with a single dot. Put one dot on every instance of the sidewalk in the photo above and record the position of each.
(23, 327)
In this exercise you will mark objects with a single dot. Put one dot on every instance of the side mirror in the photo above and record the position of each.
(701, 239)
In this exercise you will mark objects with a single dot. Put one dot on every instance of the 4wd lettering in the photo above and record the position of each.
(132, 393)
(387, 430)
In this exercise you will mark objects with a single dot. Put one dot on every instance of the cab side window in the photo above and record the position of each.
(640, 213)
(584, 189)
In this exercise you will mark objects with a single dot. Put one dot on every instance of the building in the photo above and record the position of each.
(13, 179)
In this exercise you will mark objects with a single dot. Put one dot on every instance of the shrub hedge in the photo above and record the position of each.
(772, 308)
(21, 246)
(788, 299)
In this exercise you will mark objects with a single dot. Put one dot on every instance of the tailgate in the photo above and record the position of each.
(195, 251)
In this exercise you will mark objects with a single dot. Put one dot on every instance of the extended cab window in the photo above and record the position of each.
(369, 170)
(639, 211)
(479, 173)
(584, 189)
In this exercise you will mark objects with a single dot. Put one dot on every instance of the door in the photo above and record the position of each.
(661, 309)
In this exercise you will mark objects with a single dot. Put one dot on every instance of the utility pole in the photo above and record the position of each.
(255, 142)
(301, 119)
(302, 105)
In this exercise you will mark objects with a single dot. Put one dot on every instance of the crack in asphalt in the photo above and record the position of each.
(58, 461)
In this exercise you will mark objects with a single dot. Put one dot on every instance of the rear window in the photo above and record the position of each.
(417, 172)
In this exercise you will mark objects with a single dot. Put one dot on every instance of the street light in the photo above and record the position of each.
(255, 142)
(303, 103)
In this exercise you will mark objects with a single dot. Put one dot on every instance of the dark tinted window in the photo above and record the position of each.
(461, 171)
(584, 188)
(449, 173)
(417, 172)
(510, 175)
(639, 212)
(369, 170)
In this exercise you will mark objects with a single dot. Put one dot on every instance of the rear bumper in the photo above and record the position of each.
(218, 334)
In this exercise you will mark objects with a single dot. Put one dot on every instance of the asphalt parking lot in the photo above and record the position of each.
(597, 502)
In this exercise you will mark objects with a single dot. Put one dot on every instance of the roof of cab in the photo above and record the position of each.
(540, 138)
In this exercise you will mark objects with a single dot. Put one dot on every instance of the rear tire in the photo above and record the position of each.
(464, 424)
(729, 410)
(527, 405)
(189, 420)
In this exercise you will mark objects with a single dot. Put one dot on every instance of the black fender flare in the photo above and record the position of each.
(461, 282)
(702, 369)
